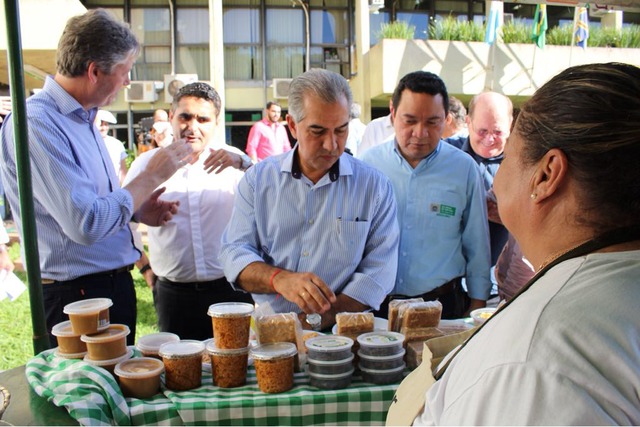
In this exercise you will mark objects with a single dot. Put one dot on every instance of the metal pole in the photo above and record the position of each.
(305, 8)
(21, 140)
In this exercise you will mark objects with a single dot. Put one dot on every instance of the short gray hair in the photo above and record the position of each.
(96, 36)
(327, 85)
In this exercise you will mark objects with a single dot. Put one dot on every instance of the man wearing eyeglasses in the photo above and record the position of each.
(489, 122)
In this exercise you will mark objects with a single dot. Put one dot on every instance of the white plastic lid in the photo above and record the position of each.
(331, 376)
(230, 309)
(70, 355)
(114, 332)
(183, 348)
(330, 362)
(399, 355)
(63, 329)
(383, 371)
(88, 306)
(139, 367)
(151, 343)
(380, 339)
(329, 343)
(274, 351)
(212, 349)
(108, 362)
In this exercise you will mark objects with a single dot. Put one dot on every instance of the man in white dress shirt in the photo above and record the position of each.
(377, 131)
(184, 252)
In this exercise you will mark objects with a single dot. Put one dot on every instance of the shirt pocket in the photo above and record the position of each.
(351, 237)
(444, 211)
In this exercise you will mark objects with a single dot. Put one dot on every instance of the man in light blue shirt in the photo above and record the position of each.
(314, 230)
(441, 202)
(85, 244)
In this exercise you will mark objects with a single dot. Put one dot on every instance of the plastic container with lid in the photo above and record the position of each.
(182, 364)
(274, 366)
(228, 366)
(140, 376)
(382, 376)
(80, 355)
(381, 362)
(89, 316)
(330, 367)
(231, 324)
(329, 347)
(108, 344)
(150, 344)
(481, 315)
(69, 343)
(109, 364)
(381, 343)
(331, 382)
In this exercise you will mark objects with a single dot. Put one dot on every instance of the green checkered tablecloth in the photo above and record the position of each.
(93, 397)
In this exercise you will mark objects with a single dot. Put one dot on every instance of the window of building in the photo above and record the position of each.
(153, 29)
(192, 41)
(242, 44)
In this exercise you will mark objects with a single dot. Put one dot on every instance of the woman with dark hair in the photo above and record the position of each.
(566, 349)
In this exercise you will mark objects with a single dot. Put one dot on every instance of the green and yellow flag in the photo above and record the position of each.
(539, 25)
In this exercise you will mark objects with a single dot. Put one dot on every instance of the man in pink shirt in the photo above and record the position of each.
(268, 137)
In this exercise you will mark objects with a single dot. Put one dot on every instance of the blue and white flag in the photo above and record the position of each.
(492, 23)
(582, 28)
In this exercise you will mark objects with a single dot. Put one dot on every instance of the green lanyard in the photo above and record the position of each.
(609, 238)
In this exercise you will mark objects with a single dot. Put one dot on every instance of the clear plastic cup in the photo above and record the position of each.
(109, 364)
(329, 347)
(69, 343)
(381, 343)
(89, 316)
(108, 344)
(274, 366)
(140, 376)
(228, 367)
(150, 344)
(231, 324)
(331, 381)
(182, 364)
(382, 376)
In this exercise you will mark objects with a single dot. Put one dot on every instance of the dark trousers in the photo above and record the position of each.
(116, 286)
(182, 307)
(455, 301)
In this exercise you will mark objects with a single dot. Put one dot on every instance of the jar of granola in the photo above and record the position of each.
(231, 324)
(274, 366)
(182, 364)
(228, 367)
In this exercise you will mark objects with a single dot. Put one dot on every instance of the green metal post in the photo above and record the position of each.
(21, 140)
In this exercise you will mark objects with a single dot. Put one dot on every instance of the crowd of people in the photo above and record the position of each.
(427, 202)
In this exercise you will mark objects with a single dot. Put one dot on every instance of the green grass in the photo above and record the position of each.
(16, 345)
(396, 30)
(516, 31)
(450, 28)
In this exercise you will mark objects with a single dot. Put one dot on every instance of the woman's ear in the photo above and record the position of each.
(550, 174)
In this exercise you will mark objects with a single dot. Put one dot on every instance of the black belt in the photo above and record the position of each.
(433, 294)
(198, 286)
(109, 273)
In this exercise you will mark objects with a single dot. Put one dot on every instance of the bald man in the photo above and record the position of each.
(489, 123)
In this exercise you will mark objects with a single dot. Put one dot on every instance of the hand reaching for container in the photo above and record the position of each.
(306, 290)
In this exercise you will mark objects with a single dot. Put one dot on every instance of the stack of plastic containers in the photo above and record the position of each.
(330, 361)
(381, 357)
(229, 351)
(106, 343)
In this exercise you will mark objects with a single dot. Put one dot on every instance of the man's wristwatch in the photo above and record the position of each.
(314, 320)
(246, 162)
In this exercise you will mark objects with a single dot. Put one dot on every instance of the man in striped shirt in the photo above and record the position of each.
(314, 230)
(85, 244)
